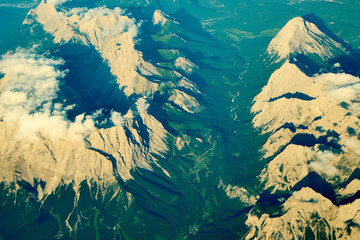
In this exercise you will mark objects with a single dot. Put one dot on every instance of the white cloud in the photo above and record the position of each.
(142, 105)
(101, 11)
(13, 98)
(238, 192)
(19, 5)
(127, 24)
(82, 126)
(353, 144)
(88, 14)
(31, 127)
(355, 108)
(342, 87)
(30, 81)
(117, 118)
(55, 2)
(27, 94)
(323, 164)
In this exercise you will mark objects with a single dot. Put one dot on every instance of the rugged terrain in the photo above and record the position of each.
(310, 181)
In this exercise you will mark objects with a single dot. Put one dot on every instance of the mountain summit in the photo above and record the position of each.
(313, 146)
(299, 36)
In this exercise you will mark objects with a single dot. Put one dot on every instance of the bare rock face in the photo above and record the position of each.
(313, 146)
(42, 144)
(114, 36)
(308, 214)
(160, 17)
(312, 107)
(185, 65)
(111, 33)
(299, 36)
(185, 101)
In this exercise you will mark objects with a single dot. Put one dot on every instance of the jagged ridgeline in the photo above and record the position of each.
(100, 126)
(135, 119)
(310, 107)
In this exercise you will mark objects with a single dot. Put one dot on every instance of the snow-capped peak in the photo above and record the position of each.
(302, 37)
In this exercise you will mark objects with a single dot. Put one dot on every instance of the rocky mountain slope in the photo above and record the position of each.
(310, 188)
(299, 36)
(40, 142)
(50, 138)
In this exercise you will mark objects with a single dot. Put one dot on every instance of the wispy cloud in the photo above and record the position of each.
(127, 24)
(55, 2)
(142, 105)
(19, 5)
(324, 164)
(117, 118)
(353, 144)
(27, 98)
(29, 93)
(342, 87)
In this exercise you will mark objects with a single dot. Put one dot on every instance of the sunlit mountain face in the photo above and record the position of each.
(176, 119)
